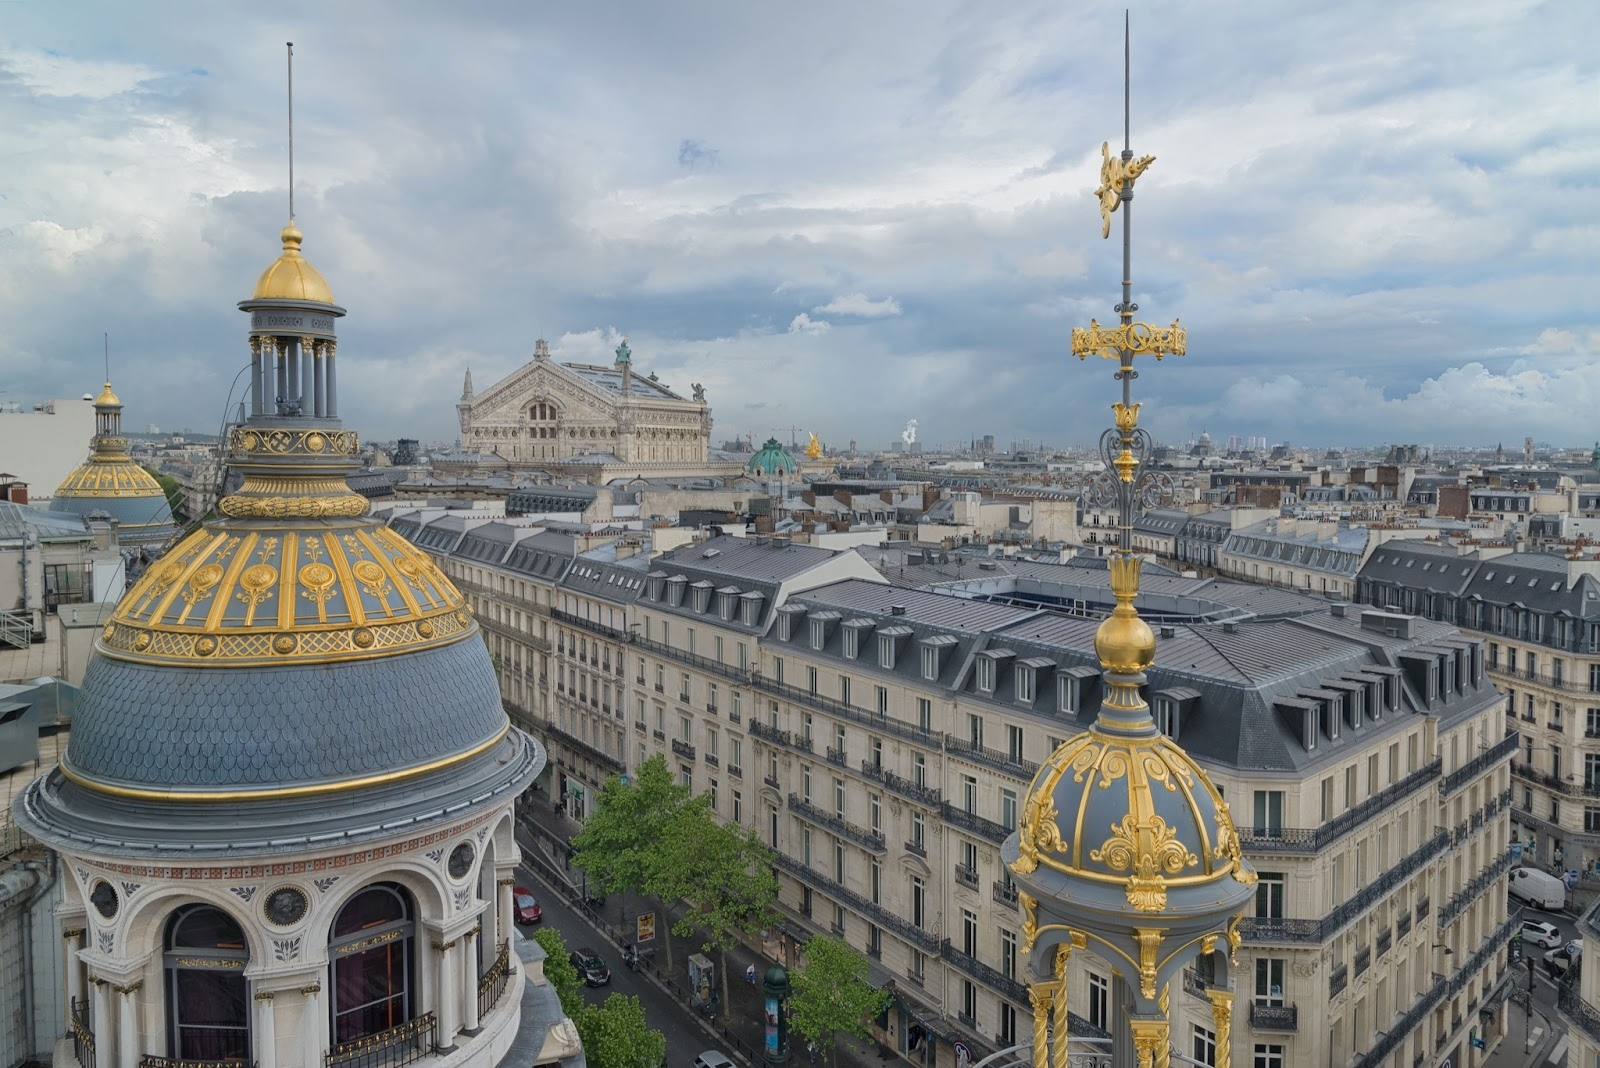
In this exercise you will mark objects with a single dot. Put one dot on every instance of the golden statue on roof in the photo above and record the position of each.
(814, 449)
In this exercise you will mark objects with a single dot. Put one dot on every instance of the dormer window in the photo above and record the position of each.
(727, 597)
(702, 595)
(1165, 711)
(930, 662)
(819, 634)
(1025, 683)
(986, 674)
(852, 637)
(675, 588)
(886, 652)
(788, 616)
(1068, 690)
(653, 584)
(750, 608)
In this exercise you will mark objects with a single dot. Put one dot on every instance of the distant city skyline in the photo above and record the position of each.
(1377, 221)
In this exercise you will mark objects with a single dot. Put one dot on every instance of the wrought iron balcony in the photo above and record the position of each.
(974, 823)
(1363, 959)
(1338, 979)
(870, 720)
(879, 915)
(967, 877)
(82, 1033)
(1584, 1016)
(1402, 925)
(1258, 929)
(1463, 898)
(1274, 1017)
(711, 760)
(777, 737)
(1312, 839)
(837, 757)
(1385, 941)
(993, 758)
(600, 756)
(922, 795)
(918, 849)
(868, 840)
(735, 771)
(683, 748)
(1005, 893)
(492, 983)
(980, 971)
(411, 1041)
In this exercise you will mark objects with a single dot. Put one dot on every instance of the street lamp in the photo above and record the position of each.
(1447, 950)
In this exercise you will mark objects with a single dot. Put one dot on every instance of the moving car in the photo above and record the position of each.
(1541, 933)
(591, 969)
(527, 906)
(1538, 888)
(713, 1058)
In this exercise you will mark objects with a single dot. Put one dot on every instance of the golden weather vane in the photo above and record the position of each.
(1115, 175)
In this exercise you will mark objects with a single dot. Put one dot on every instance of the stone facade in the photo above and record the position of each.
(854, 726)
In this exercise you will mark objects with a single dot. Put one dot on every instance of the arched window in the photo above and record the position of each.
(373, 962)
(208, 1001)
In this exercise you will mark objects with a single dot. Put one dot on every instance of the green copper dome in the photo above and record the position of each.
(771, 460)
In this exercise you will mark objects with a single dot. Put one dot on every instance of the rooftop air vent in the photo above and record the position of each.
(709, 553)
(1230, 627)
(897, 610)
(1339, 610)
(1168, 632)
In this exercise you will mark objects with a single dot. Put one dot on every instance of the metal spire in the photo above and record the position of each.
(289, 45)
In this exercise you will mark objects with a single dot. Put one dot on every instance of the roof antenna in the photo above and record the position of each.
(107, 336)
(290, 46)
(1127, 63)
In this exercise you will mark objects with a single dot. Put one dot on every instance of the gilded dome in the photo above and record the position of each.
(110, 478)
(107, 398)
(1131, 812)
(291, 277)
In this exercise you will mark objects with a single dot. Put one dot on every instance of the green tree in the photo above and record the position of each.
(726, 876)
(615, 1034)
(170, 487)
(830, 995)
(622, 844)
(559, 970)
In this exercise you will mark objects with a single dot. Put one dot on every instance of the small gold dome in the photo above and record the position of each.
(290, 277)
(108, 398)
(1124, 643)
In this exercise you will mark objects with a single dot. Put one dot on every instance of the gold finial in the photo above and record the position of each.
(107, 398)
(291, 238)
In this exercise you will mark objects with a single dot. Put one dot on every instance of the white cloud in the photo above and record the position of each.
(858, 305)
(804, 324)
(51, 74)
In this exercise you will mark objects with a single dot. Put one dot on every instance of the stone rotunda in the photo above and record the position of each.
(285, 810)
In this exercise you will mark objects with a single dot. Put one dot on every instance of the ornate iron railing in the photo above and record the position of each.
(406, 1044)
(993, 758)
(967, 876)
(1312, 839)
(1569, 999)
(974, 823)
(1005, 893)
(829, 706)
(879, 915)
(682, 748)
(923, 795)
(592, 752)
(774, 735)
(868, 840)
(149, 1060)
(492, 983)
(1338, 979)
(1464, 897)
(82, 1033)
(983, 973)
(1257, 929)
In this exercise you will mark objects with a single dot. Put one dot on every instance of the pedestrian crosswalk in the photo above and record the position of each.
(1558, 1052)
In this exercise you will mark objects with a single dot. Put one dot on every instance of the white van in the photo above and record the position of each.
(1538, 888)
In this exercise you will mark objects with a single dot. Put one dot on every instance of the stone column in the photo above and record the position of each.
(264, 1043)
(69, 938)
(504, 917)
(308, 347)
(449, 994)
(102, 1022)
(1222, 1020)
(311, 1027)
(296, 382)
(255, 375)
(280, 360)
(328, 348)
(469, 981)
(128, 1051)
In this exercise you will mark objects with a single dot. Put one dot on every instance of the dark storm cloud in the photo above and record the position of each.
(1376, 220)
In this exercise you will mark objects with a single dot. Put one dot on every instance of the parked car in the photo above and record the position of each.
(713, 1058)
(527, 906)
(1541, 933)
(1558, 961)
(591, 969)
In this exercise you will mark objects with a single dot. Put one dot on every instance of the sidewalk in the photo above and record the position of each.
(739, 1027)
(1515, 1049)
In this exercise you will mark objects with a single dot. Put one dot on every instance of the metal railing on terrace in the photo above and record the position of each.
(871, 841)
(411, 1041)
(831, 707)
(468, 586)
(1260, 929)
(592, 752)
(1313, 839)
(492, 983)
(1568, 683)
(1274, 1017)
(1528, 773)
(1569, 999)
(779, 737)
(1463, 898)
(82, 1033)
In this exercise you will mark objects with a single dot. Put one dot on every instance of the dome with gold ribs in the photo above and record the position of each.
(109, 481)
(291, 276)
(273, 594)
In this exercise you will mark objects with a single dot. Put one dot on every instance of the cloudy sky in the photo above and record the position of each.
(1379, 221)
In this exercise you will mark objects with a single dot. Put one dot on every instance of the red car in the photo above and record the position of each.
(528, 910)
